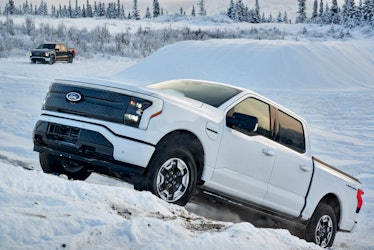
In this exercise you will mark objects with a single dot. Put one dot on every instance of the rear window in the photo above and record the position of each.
(291, 132)
(46, 46)
(209, 93)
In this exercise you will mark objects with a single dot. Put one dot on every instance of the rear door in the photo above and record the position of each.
(293, 167)
(61, 53)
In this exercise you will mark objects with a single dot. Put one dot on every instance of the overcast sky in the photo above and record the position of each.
(173, 6)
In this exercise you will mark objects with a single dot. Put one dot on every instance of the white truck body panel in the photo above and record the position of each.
(251, 168)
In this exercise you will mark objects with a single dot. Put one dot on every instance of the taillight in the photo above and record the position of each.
(359, 200)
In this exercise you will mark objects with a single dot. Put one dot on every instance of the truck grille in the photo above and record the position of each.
(92, 103)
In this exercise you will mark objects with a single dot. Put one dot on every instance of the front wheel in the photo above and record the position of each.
(54, 164)
(70, 59)
(322, 227)
(172, 175)
(52, 60)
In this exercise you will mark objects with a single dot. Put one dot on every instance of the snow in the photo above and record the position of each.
(329, 83)
(241, 62)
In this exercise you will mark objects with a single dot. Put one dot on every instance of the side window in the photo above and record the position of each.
(256, 108)
(291, 132)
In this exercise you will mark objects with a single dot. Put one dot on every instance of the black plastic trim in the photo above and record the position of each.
(101, 125)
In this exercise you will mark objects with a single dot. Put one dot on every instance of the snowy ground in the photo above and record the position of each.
(43, 211)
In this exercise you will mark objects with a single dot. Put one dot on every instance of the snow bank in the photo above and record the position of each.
(40, 211)
(270, 64)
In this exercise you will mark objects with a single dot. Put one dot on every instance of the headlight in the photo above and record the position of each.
(135, 110)
(46, 54)
(30, 54)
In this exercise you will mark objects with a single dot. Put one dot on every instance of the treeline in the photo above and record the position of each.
(17, 39)
(350, 14)
(113, 10)
(237, 11)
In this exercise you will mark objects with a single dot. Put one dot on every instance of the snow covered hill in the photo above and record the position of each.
(330, 84)
(265, 64)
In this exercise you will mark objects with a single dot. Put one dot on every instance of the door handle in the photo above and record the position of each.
(267, 152)
(305, 168)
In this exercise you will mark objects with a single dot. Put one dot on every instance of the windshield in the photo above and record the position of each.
(209, 93)
(46, 46)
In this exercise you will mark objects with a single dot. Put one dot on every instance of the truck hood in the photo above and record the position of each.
(40, 50)
(98, 82)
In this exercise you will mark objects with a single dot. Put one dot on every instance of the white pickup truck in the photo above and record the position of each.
(173, 136)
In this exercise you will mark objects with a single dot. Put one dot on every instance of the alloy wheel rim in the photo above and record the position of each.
(324, 231)
(172, 180)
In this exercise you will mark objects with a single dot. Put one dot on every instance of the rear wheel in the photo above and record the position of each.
(322, 227)
(172, 174)
(54, 164)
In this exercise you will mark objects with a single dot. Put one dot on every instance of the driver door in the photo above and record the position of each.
(246, 158)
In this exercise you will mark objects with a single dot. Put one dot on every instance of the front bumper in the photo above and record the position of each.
(88, 146)
(40, 58)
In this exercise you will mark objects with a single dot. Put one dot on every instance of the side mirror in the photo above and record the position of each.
(242, 121)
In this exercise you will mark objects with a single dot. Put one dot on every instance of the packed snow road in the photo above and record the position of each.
(43, 211)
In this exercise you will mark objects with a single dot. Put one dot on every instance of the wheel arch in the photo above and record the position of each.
(333, 201)
(185, 137)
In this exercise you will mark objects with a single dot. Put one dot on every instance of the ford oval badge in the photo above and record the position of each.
(73, 97)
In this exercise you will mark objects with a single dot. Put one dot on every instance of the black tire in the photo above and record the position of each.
(171, 174)
(54, 164)
(322, 227)
(70, 59)
(52, 60)
(33, 60)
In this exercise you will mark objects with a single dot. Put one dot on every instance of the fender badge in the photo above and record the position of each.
(73, 97)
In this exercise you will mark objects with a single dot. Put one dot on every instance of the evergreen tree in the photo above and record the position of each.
(202, 9)
(368, 11)
(156, 8)
(301, 18)
(43, 10)
(256, 16)
(315, 11)
(95, 10)
(148, 13)
(70, 11)
(84, 11)
(334, 12)
(118, 10)
(231, 10)
(279, 17)
(89, 11)
(135, 12)
(193, 12)
(239, 12)
(77, 12)
(320, 12)
(122, 13)
(349, 13)
(11, 8)
(326, 15)
(285, 17)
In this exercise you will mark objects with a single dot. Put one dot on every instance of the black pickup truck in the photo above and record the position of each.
(52, 52)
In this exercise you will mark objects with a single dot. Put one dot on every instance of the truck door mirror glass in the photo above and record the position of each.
(242, 122)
